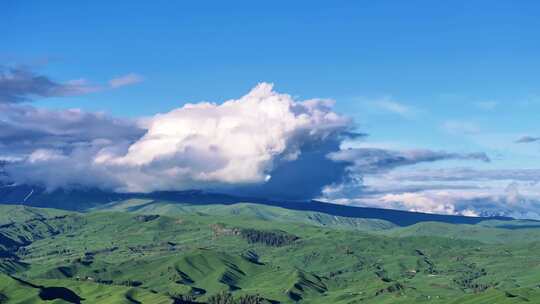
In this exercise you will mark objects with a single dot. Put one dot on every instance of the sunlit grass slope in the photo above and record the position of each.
(138, 253)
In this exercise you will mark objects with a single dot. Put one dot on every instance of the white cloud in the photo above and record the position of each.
(203, 145)
(45, 155)
(264, 143)
(514, 193)
(418, 203)
(79, 86)
(233, 143)
(125, 80)
(469, 202)
(395, 107)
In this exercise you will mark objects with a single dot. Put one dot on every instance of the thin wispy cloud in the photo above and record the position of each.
(19, 84)
(125, 80)
(395, 107)
(391, 106)
(527, 139)
(466, 174)
(370, 160)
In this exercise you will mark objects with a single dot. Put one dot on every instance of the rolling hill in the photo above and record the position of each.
(144, 251)
(88, 199)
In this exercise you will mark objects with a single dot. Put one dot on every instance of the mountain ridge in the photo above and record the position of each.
(85, 199)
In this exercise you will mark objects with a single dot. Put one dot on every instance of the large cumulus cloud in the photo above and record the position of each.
(264, 144)
(239, 143)
(233, 143)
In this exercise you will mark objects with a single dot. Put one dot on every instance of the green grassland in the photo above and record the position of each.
(248, 211)
(141, 251)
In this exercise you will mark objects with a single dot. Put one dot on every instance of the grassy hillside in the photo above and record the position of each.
(16, 290)
(19, 213)
(87, 199)
(247, 211)
(487, 231)
(142, 253)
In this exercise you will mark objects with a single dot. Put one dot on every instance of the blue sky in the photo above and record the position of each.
(457, 76)
(439, 57)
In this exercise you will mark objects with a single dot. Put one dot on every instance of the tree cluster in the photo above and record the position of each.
(269, 238)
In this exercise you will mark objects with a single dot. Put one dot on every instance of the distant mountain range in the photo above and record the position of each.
(81, 200)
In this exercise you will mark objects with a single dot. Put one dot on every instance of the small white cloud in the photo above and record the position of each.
(125, 80)
(79, 86)
(44, 155)
(395, 107)
(419, 202)
(470, 212)
(9, 158)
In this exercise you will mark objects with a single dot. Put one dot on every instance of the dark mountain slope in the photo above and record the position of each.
(81, 200)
